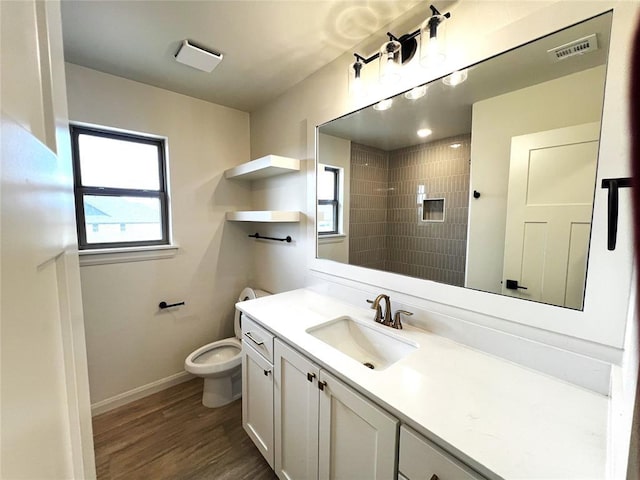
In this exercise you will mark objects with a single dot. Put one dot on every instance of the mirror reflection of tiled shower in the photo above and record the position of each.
(409, 210)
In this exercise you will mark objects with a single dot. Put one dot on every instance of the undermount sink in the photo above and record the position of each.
(366, 344)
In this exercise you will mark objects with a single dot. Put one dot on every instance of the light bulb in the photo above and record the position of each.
(390, 61)
(424, 132)
(432, 41)
(456, 78)
(383, 104)
(433, 48)
(416, 93)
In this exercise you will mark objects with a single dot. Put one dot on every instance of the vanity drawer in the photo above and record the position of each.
(422, 460)
(259, 338)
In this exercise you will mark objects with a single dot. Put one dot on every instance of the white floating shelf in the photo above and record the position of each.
(272, 216)
(264, 167)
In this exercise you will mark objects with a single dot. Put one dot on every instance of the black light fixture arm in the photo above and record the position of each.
(435, 20)
(404, 38)
(366, 60)
(435, 11)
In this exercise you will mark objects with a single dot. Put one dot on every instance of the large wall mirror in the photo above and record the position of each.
(483, 179)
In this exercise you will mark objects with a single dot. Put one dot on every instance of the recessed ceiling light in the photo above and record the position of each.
(456, 78)
(198, 57)
(416, 93)
(455, 145)
(383, 104)
(424, 132)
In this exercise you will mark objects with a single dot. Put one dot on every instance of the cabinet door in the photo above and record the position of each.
(257, 400)
(420, 459)
(296, 414)
(357, 438)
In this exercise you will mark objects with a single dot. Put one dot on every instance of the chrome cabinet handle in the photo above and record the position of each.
(321, 385)
(248, 335)
(311, 376)
(267, 372)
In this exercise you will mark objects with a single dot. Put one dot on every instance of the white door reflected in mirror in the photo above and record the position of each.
(549, 207)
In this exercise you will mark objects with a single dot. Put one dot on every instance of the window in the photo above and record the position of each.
(120, 188)
(328, 200)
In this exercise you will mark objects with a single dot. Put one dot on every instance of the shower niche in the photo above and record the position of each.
(433, 210)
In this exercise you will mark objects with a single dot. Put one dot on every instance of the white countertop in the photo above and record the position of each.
(502, 419)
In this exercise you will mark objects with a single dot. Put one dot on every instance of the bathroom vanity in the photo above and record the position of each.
(429, 407)
(555, 400)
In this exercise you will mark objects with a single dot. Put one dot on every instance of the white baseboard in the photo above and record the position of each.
(138, 393)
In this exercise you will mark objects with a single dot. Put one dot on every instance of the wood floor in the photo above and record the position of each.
(170, 435)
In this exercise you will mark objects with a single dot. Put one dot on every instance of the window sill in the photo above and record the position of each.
(332, 238)
(105, 256)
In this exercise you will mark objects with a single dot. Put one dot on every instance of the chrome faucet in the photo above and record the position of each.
(386, 320)
(396, 318)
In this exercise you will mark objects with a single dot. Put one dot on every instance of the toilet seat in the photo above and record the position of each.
(215, 357)
(219, 363)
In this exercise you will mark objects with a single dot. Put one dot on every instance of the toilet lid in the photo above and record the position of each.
(247, 293)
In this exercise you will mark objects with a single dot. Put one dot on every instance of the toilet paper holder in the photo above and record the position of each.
(162, 305)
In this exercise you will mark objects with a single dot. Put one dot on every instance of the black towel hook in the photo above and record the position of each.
(613, 184)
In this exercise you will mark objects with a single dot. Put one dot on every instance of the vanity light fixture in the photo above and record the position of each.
(455, 145)
(399, 50)
(424, 132)
(456, 78)
(416, 93)
(383, 105)
(432, 38)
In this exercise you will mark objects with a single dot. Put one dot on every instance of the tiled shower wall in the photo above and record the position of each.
(368, 207)
(387, 230)
(431, 250)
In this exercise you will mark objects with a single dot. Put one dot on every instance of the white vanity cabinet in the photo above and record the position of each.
(257, 387)
(296, 400)
(357, 439)
(422, 460)
(323, 428)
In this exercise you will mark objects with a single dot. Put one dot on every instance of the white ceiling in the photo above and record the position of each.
(268, 45)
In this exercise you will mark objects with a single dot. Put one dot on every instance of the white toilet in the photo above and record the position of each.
(220, 362)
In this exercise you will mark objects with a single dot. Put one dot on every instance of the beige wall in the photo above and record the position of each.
(494, 122)
(130, 342)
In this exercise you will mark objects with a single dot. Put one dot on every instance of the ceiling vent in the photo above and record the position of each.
(198, 57)
(577, 47)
